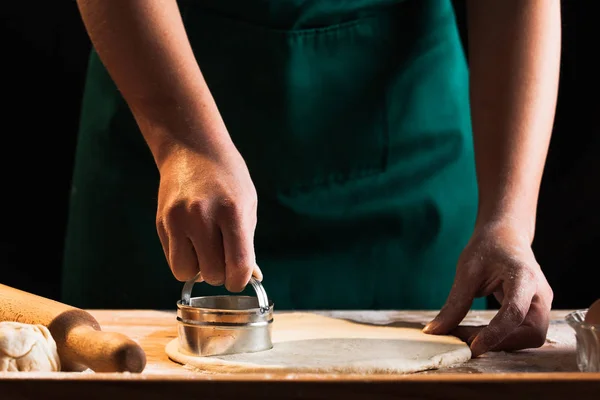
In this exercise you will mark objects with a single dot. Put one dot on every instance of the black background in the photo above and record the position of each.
(44, 50)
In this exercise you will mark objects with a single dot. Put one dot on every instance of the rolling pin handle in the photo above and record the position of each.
(105, 351)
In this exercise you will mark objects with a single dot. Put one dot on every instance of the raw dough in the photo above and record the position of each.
(26, 347)
(312, 343)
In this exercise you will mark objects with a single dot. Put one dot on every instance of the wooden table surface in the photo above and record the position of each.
(549, 371)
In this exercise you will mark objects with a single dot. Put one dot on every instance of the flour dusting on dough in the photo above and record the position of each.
(312, 343)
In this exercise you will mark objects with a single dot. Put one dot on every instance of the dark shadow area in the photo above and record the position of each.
(568, 221)
(44, 59)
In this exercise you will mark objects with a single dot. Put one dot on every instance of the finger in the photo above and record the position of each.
(456, 308)
(182, 256)
(208, 243)
(466, 333)
(257, 273)
(524, 337)
(163, 237)
(180, 252)
(532, 332)
(240, 262)
(512, 313)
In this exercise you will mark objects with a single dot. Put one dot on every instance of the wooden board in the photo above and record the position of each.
(549, 371)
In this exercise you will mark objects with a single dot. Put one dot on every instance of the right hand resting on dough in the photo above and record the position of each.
(206, 217)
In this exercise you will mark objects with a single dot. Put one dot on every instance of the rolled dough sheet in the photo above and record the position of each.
(312, 343)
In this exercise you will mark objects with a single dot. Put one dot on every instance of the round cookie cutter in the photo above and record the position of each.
(229, 324)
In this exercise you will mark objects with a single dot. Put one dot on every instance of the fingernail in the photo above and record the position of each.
(258, 273)
(471, 338)
(430, 327)
(477, 348)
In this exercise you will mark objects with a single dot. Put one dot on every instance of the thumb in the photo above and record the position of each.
(454, 311)
(257, 273)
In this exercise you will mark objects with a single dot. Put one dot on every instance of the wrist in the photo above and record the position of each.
(518, 221)
(171, 144)
(170, 128)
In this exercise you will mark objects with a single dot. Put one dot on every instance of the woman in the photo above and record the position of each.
(328, 142)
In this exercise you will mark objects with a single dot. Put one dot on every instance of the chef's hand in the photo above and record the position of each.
(206, 216)
(498, 260)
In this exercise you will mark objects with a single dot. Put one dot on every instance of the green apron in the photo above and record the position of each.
(353, 118)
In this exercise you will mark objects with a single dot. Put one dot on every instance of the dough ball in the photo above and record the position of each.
(26, 347)
(592, 316)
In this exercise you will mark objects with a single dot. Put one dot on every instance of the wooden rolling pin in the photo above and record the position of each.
(80, 342)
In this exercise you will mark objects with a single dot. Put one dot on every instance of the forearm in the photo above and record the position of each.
(514, 55)
(145, 48)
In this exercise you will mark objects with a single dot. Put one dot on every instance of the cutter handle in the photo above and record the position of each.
(261, 294)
